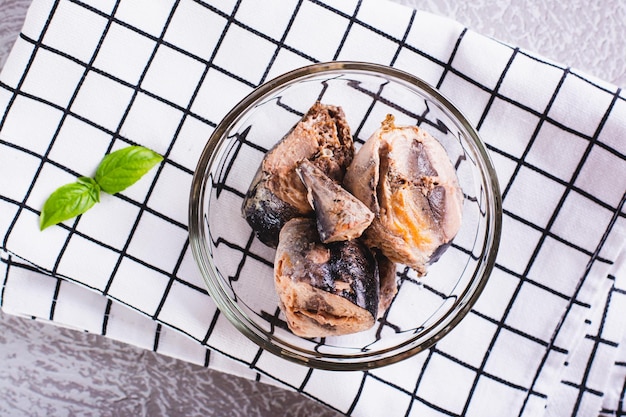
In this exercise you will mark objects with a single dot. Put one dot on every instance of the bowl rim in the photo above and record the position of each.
(197, 236)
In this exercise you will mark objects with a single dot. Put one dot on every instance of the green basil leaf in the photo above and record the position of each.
(124, 167)
(69, 201)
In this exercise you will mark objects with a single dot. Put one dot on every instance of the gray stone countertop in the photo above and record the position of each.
(52, 371)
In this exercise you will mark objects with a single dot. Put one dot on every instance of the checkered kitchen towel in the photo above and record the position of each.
(86, 77)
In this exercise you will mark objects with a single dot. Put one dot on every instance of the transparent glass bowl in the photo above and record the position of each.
(238, 268)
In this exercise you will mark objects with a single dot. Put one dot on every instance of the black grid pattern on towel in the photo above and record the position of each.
(599, 341)
(521, 165)
(616, 406)
(107, 317)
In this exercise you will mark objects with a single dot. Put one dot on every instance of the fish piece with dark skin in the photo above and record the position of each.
(324, 289)
(406, 179)
(276, 193)
(266, 213)
(339, 214)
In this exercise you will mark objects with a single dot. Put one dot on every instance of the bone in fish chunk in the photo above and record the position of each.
(324, 289)
(277, 194)
(339, 214)
(406, 179)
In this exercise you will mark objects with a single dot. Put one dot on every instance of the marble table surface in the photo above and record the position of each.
(49, 371)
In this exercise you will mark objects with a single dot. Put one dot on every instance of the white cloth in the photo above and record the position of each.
(85, 77)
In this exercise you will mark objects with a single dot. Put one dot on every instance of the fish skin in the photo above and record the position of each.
(266, 213)
(324, 289)
(388, 282)
(405, 177)
(276, 194)
(339, 214)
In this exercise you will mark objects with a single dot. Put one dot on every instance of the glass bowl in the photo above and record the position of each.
(238, 268)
